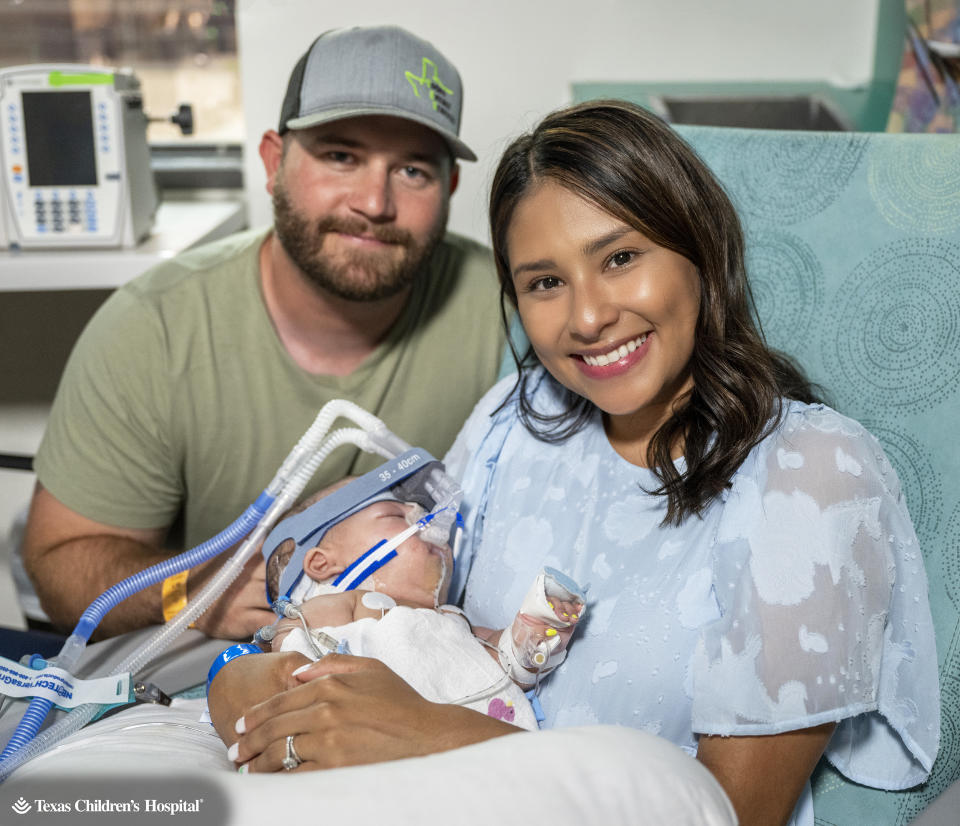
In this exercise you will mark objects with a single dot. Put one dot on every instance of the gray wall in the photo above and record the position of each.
(519, 57)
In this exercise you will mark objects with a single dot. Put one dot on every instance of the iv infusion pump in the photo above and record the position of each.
(76, 165)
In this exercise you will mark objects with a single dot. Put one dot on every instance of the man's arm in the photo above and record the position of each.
(71, 560)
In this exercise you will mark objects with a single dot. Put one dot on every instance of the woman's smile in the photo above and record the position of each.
(614, 360)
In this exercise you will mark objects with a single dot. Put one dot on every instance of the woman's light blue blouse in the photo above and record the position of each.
(798, 598)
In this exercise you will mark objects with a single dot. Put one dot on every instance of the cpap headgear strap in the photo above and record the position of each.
(392, 480)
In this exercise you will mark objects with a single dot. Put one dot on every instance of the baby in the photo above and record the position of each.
(397, 615)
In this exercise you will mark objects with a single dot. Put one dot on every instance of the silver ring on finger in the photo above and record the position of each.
(292, 760)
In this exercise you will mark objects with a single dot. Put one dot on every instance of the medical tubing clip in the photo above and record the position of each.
(39, 707)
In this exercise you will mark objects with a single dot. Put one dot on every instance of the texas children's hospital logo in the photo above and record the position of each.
(149, 805)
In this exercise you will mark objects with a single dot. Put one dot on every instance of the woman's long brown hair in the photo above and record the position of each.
(629, 163)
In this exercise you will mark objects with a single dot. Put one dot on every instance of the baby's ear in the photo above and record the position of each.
(320, 564)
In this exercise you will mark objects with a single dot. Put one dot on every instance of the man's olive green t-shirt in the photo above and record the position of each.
(179, 399)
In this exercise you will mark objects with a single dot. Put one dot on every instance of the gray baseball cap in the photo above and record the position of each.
(375, 70)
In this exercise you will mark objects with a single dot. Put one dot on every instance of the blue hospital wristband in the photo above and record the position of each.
(228, 654)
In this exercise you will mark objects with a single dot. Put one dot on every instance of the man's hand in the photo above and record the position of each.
(348, 711)
(242, 608)
(71, 560)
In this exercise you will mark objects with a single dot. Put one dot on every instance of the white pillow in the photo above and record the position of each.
(597, 774)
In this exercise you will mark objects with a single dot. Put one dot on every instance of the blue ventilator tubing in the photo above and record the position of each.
(39, 707)
(299, 466)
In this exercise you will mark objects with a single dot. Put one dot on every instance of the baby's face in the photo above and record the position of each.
(419, 574)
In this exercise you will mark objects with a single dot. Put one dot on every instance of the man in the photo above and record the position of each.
(194, 381)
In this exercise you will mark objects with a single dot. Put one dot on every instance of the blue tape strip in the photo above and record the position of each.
(358, 561)
(373, 566)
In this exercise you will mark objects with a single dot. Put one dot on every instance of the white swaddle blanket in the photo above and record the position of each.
(437, 654)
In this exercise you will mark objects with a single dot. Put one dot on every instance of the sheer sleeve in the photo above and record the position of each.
(823, 600)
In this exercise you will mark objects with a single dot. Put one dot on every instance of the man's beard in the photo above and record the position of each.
(361, 275)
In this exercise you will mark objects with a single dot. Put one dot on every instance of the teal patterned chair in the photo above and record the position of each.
(853, 249)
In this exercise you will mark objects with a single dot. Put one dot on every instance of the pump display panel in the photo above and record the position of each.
(58, 128)
(75, 160)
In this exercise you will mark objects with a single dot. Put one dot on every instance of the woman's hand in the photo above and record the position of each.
(348, 711)
(248, 680)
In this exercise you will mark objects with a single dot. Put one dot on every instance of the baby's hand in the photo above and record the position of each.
(547, 620)
(567, 611)
(535, 640)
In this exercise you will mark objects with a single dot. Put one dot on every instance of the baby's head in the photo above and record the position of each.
(419, 574)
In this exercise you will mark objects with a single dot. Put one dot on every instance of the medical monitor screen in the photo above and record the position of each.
(59, 130)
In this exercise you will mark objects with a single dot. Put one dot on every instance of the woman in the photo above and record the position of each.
(757, 595)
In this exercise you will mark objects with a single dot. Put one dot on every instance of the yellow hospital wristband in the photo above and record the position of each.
(174, 598)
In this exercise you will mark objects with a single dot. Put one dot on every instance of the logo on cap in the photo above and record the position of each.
(430, 78)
